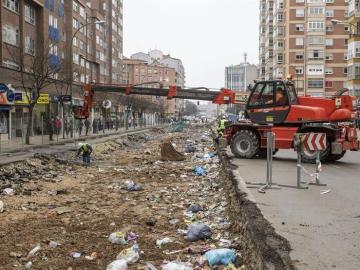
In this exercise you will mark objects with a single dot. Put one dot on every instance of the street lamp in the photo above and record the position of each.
(336, 22)
(72, 57)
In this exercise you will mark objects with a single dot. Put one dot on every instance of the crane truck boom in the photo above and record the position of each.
(271, 106)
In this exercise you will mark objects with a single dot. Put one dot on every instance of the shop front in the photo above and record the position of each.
(7, 98)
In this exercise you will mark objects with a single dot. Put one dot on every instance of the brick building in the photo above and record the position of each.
(85, 50)
(141, 72)
(298, 37)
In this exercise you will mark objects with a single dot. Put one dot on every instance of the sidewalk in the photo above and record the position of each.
(36, 142)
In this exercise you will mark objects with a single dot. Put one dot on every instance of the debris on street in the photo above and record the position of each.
(134, 207)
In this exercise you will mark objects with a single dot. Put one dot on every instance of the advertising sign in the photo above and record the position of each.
(22, 99)
(7, 95)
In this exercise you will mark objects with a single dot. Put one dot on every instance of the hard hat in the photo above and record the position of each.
(80, 145)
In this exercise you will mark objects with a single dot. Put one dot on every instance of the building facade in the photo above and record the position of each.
(83, 50)
(298, 38)
(157, 56)
(238, 77)
(353, 82)
(137, 72)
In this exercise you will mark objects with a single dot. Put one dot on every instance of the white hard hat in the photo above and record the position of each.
(80, 144)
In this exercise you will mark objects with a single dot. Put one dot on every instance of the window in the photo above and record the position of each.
(345, 70)
(10, 64)
(329, 28)
(75, 6)
(263, 94)
(316, 55)
(316, 10)
(29, 14)
(13, 5)
(315, 40)
(346, 28)
(300, 41)
(315, 70)
(300, 1)
(75, 23)
(315, 83)
(329, 70)
(330, 13)
(329, 1)
(11, 35)
(76, 58)
(29, 45)
(299, 70)
(299, 27)
(299, 13)
(316, 26)
(329, 56)
(82, 12)
(280, 59)
(299, 56)
(329, 42)
(328, 84)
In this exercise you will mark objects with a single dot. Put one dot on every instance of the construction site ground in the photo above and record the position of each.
(322, 223)
(69, 210)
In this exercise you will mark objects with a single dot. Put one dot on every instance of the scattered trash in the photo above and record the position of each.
(117, 238)
(130, 236)
(28, 265)
(131, 186)
(8, 192)
(200, 171)
(15, 254)
(179, 127)
(323, 192)
(169, 153)
(75, 255)
(151, 222)
(53, 244)
(198, 232)
(189, 148)
(174, 221)
(195, 208)
(32, 252)
(130, 255)
(117, 265)
(176, 266)
(224, 243)
(163, 241)
(150, 266)
(1, 206)
(220, 256)
(92, 257)
(58, 192)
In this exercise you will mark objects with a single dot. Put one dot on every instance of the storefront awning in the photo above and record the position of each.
(5, 108)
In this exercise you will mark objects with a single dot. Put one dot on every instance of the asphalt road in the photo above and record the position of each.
(323, 229)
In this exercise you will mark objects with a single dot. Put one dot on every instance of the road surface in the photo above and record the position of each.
(323, 229)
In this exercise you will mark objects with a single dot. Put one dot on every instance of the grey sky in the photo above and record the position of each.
(206, 34)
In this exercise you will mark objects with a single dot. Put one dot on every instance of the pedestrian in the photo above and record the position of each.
(51, 128)
(85, 149)
(87, 126)
(57, 125)
(80, 127)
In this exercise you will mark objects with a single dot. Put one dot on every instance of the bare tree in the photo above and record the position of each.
(35, 73)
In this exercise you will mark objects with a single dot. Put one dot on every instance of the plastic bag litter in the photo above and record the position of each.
(163, 241)
(200, 171)
(131, 236)
(198, 232)
(190, 148)
(176, 266)
(130, 255)
(32, 252)
(131, 186)
(117, 238)
(222, 256)
(195, 208)
(1, 207)
(8, 192)
(117, 265)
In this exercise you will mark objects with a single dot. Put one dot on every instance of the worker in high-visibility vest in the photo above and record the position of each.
(221, 126)
(85, 149)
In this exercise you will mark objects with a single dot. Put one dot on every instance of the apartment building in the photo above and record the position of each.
(353, 82)
(157, 56)
(86, 51)
(238, 77)
(137, 71)
(299, 38)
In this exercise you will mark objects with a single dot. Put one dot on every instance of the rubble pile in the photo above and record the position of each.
(129, 210)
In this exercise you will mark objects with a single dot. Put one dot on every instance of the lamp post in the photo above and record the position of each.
(72, 57)
(336, 22)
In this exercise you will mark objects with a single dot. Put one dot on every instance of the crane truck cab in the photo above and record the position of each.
(274, 106)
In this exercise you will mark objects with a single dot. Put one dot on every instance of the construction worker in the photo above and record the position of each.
(221, 126)
(85, 149)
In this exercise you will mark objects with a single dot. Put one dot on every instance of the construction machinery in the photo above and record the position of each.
(271, 106)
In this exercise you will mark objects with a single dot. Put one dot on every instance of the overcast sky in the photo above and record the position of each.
(206, 35)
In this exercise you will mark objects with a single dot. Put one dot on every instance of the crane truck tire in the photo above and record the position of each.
(245, 144)
(333, 157)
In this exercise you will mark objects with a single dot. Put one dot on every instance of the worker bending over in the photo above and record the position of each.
(85, 149)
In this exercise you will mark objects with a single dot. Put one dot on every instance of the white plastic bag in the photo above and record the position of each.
(130, 255)
(176, 266)
(117, 238)
(117, 265)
